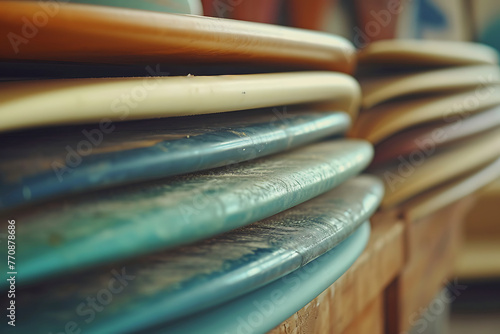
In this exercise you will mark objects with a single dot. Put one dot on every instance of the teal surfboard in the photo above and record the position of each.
(129, 221)
(41, 164)
(169, 285)
(168, 6)
(264, 309)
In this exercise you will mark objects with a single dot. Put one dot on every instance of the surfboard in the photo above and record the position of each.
(409, 177)
(98, 34)
(83, 158)
(450, 192)
(272, 304)
(197, 277)
(169, 6)
(418, 53)
(26, 104)
(379, 89)
(389, 118)
(128, 221)
(434, 135)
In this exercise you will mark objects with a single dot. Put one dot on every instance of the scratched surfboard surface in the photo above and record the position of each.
(278, 300)
(127, 221)
(176, 283)
(80, 158)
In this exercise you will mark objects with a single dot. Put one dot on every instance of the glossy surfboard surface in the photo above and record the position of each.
(129, 221)
(127, 36)
(27, 104)
(197, 277)
(389, 118)
(409, 177)
(452, 191)
(379, 89)
(75, 159)
(266, 308)
(417, 53)
(431, 136)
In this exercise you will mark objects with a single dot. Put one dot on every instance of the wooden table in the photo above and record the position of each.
(404, 266)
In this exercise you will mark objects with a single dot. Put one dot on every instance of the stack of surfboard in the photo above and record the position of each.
(431, 109)
(233, 214)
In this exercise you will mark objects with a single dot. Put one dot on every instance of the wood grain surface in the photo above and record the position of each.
(433, 244)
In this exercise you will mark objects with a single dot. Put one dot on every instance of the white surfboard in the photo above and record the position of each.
(377, 90)
(30, 104)
(389, 118)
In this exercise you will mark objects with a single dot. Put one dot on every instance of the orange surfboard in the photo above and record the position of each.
(54, 31)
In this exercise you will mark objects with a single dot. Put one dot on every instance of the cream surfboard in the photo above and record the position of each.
(27, 104)
(410, 177)
(379, 89)
(387, 119)
(99, 34)
(417, 53)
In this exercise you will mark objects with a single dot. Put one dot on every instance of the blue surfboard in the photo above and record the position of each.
(124, 222)
(38, 165)
(167, 286)
(264, 309)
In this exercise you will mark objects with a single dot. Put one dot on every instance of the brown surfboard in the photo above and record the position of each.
(406, 179)
(55, 31)
(450, 192)
(434, 135)
(389, 118)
